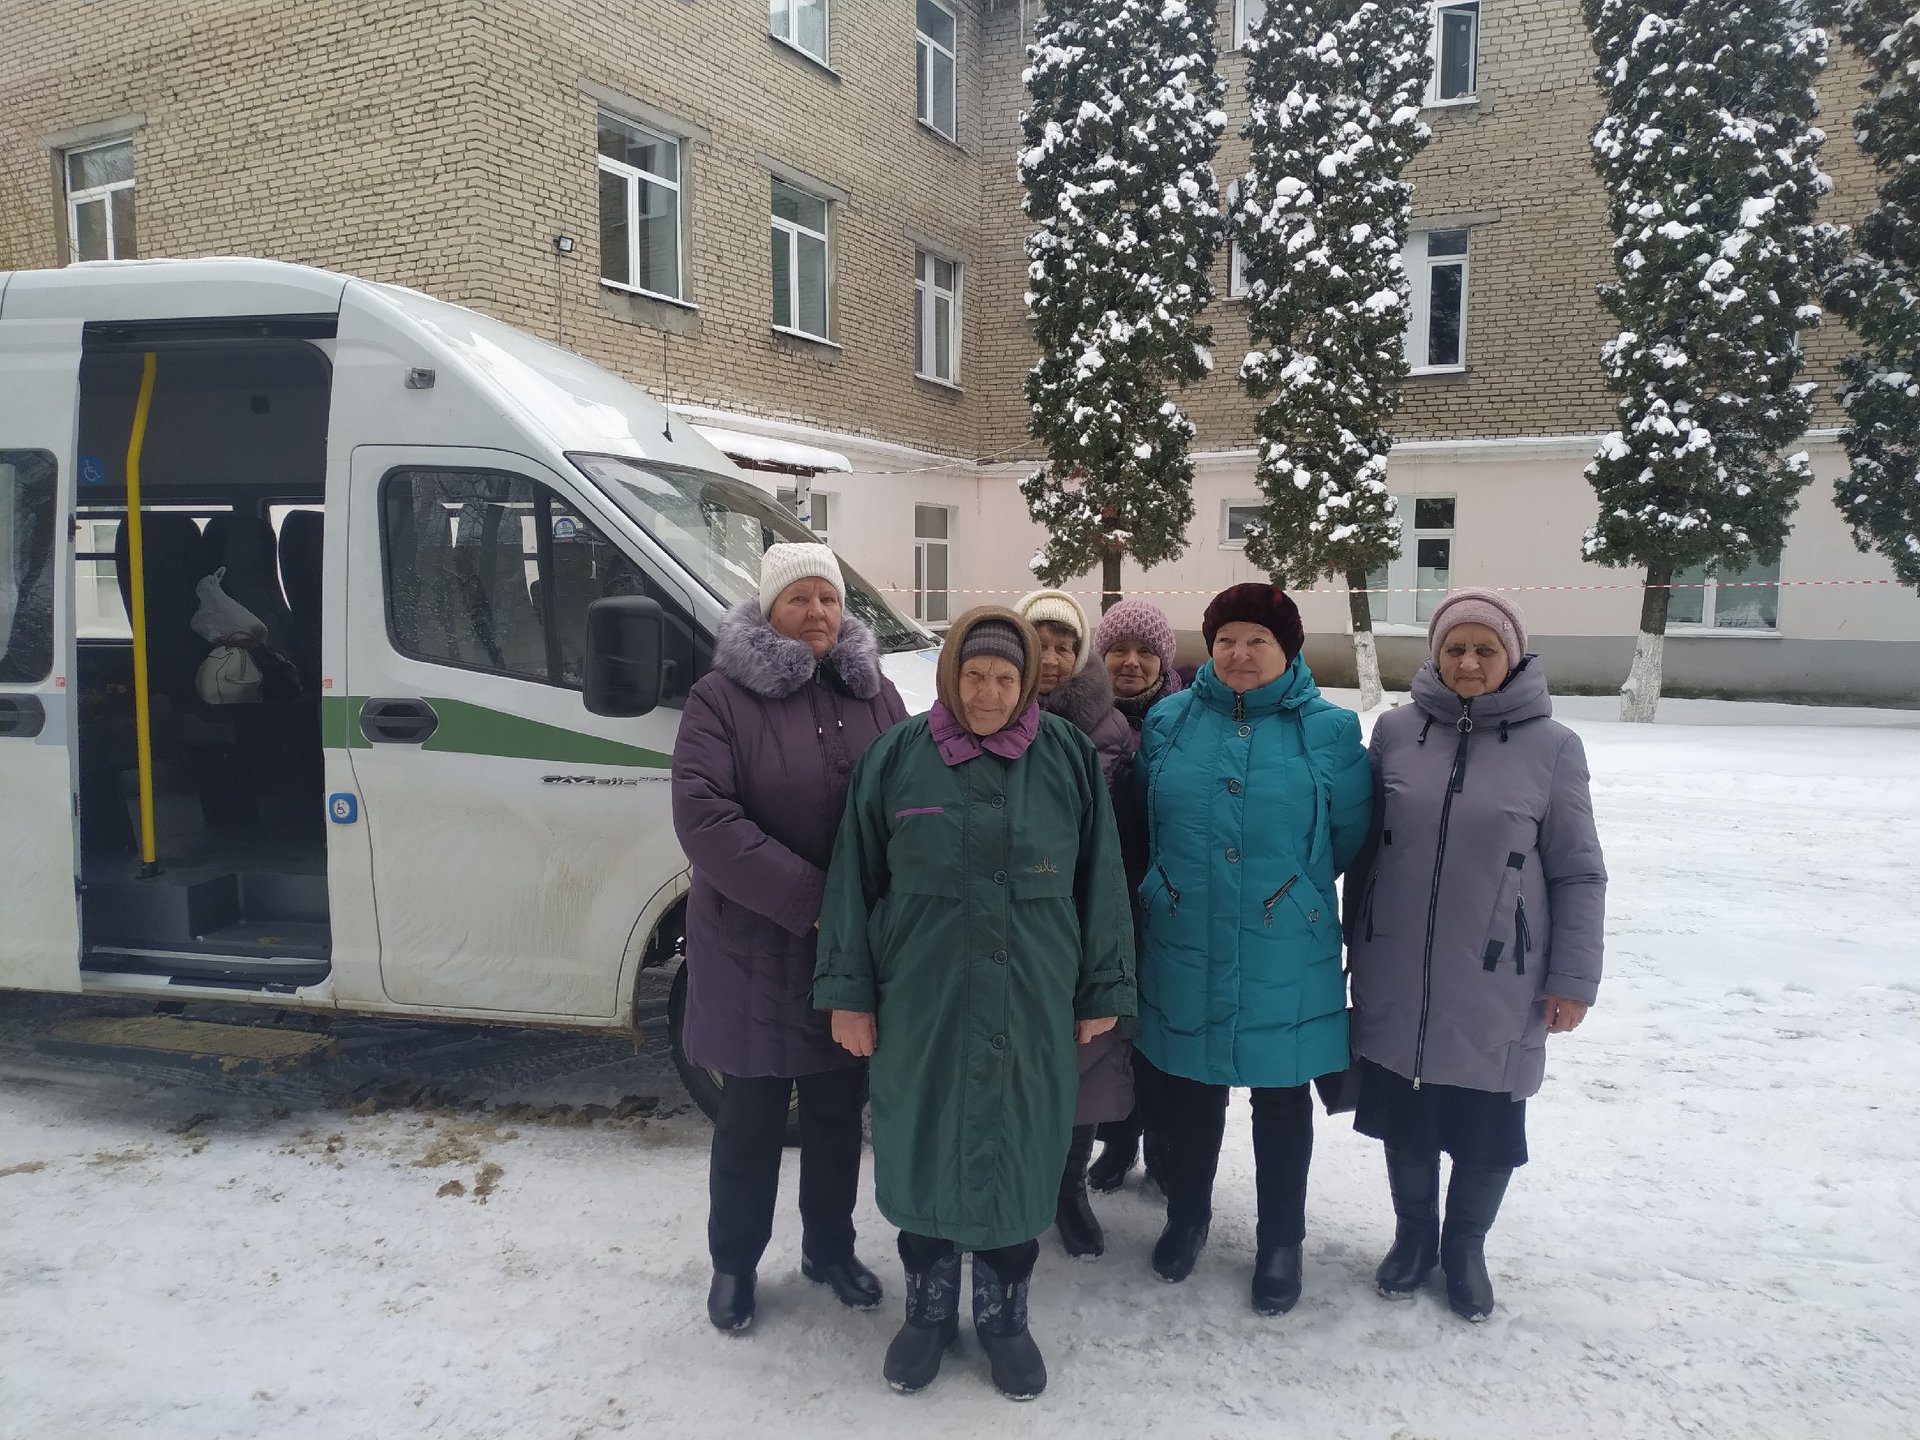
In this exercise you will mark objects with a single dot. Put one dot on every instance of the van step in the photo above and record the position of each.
(239, 957)
(173, 906)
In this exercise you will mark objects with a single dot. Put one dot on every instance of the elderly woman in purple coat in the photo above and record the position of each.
(760, 772)
(1477, 934)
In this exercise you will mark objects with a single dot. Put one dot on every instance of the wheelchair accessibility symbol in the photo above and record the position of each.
(343, 809)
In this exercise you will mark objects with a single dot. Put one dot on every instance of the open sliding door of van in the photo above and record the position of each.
(39, 908)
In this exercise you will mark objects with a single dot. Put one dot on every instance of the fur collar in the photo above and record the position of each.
(1081, 699)
(758, 658)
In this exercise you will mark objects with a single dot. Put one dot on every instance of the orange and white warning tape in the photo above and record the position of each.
(1131, 591)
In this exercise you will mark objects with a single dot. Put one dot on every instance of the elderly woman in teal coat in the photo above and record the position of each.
(1257, 794)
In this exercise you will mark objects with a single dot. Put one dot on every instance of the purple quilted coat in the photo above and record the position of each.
(760, 772)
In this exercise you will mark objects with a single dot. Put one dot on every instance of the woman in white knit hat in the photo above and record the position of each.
(760, 773)
(1082, 694)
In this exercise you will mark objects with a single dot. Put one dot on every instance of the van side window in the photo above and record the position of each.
(494, 572)
(26, 566)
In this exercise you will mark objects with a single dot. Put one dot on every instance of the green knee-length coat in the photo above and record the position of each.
(977, 910)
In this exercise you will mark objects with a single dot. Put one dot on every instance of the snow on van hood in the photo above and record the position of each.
(912, 673)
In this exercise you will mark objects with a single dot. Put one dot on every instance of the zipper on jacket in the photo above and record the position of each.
(1464, 727)
(1275, 898)
(1173, 895)
(1522, 936)
(1240, 707)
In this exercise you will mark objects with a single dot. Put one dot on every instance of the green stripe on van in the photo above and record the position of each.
(467, 729)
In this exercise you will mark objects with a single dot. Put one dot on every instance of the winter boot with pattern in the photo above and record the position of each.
(933, 1320)
(1414, 1180)
(1080, 1232)
(1473, 1201)
(1000, 1322)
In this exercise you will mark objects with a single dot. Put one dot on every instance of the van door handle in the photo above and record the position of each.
(397, 722)
(22, 716)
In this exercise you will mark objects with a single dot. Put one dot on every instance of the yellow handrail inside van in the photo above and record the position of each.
(137, 597)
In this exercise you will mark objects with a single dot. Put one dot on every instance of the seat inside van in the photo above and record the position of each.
(232, 482)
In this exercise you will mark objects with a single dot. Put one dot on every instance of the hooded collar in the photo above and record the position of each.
(758, 658)
(1290, 691)
(957, 744)
(1523, 696)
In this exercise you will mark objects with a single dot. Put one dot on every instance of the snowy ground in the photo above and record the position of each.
(1717, 1236)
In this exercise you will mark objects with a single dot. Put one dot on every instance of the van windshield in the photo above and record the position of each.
(718, 529)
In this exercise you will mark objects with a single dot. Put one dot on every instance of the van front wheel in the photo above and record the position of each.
(702, 1084)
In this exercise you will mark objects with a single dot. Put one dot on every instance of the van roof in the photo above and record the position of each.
(575, 403)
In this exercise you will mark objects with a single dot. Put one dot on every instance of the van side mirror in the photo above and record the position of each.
(626, 643)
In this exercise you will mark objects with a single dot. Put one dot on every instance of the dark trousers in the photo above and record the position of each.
(1011, 1263)
(1195, 1120)
(744, 1178)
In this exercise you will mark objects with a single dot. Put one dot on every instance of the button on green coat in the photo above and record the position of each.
(977, 910)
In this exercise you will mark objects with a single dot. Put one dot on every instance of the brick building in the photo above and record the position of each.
(800, 221)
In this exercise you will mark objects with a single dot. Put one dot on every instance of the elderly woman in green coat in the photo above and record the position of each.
(975, 930)
(1257, 795)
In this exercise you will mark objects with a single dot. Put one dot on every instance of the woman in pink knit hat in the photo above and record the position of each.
(1474, 922)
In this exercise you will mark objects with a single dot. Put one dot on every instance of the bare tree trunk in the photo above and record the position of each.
(1640, 696)
(1109, 580)
(1366, 659)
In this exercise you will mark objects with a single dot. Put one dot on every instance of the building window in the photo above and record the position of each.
(1247, 15)
(819, 516)
(639, 208)
(1236, 272)
(936, 46)
(1456, 53)
(936, 317)
(799, 261)
(1407, 591)
(1235, 516)
(931, 536)
(802, 24)
(1436, 262)
(100, 210)
(1746, 599)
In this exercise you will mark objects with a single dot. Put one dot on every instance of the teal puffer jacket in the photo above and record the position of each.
(1254, 803)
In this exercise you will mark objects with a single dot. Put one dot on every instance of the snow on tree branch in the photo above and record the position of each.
(1122, 122)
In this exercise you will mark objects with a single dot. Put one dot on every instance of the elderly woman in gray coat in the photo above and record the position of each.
(1477, 934)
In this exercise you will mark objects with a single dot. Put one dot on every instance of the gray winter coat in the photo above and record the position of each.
(1085, 699)
(1483, 892)
(760, 774)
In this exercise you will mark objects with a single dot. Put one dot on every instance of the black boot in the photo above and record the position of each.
(1178, 1249)
(1000, 1321)
(1414, 1180)
(1118, 1154)
(1276, 1280)
(1073, 1216)
(852, 1283)
(1473, 1200)
(1153, 1150)
(933, 1320)
(730, 1301)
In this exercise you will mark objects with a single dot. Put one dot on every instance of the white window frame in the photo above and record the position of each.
(923, 47)
(790, 10)
(1709, 621)
(1420, 266)
(1241, 25)
(1436, 9)
(793, 230)
(1237, 288)
(1227, 507)
(927, 297)
(102, 193)
(1401, 604)
(633, 175)
(923, 545)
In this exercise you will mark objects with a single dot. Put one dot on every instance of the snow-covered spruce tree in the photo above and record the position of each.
(1122, 122)
(1709, 153)
(1321, 218)
(1878, 293)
